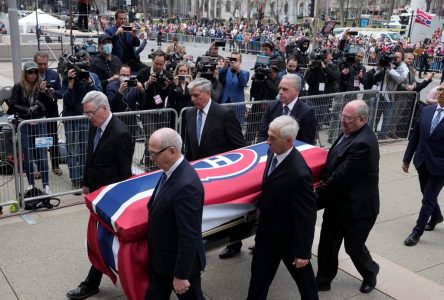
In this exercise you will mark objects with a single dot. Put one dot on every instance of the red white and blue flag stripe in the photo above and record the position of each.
(423, 18)
(117, 228)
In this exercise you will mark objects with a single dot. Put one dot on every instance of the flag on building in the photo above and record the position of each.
(423, 18)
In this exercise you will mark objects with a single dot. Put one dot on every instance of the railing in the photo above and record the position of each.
(65, 139)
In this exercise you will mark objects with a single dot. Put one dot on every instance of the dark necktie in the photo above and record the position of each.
(286, 111)
(162, 181)
(273, 165)
(199, 125)
(436, 120)
(97, 138)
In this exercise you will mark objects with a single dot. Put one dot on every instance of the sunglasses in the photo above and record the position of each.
(35, 72)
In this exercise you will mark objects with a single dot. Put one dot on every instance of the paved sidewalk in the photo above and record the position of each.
(44, 260)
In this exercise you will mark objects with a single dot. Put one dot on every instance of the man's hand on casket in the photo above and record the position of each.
(180, 285)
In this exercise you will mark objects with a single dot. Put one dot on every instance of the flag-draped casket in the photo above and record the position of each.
(117, 229)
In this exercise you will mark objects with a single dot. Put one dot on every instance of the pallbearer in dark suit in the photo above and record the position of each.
(349, 191)
(108, 160)
(211, 129)
(176, 253)
(287, 215)
(427, 144)
(290, 104)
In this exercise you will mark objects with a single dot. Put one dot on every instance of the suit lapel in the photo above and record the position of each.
(105, 134)
(192, 126)
(280, 168)
(429, 122)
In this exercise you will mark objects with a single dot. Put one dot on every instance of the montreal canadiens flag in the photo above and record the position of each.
(423, 18)
(118, 224)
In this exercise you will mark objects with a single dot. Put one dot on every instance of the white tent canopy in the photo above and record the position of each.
(44, 20)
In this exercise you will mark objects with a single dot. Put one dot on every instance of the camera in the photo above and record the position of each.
(83, 75)
(317, 56)
(386, 59)
(219, 43)
(160, 78)
(68, 62)
(182, 77)
(206, 66)
(127, 28)
(132, 82)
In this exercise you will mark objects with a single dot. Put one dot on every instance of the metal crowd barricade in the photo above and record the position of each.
(392, 114)
(35, 140)
(142, 124)
(8, 166)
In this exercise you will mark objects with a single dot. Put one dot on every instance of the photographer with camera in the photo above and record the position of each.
(29, 100)
(176, 48)
(301, 52)
(322, 77)
(126, 94)
(125, 40)
(179, 96)
(156, 81)
(276, 58)
(106, 65)
(351, 68)
(234, 80)
(53, 88)
(207, 67)
(385, 78)
(76, 84)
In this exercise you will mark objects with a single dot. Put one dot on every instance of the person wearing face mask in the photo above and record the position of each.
(126, 94)
(106, 65)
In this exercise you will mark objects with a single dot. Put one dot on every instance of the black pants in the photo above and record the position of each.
(354, 233)
(160, 287)
(266, 259)
(430, 188)
(94, 277)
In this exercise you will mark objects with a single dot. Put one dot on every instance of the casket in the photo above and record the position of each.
(117, 229)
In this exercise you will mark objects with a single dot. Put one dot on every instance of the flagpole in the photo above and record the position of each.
(410, 27)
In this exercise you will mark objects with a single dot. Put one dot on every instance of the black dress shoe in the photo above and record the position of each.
(252, 247)
(411, 240)
(323, 287)
(82, 292)
(432, 224)
(228, 253)
(369, 285)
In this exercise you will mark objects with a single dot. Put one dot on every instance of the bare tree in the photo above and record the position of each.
(390, 9)
(341, 13)
(170, 4)
(213, 8)
(276, 8)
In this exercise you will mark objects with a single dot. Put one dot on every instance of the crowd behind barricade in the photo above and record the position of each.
(336, 66)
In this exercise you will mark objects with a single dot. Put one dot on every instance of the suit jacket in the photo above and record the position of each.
(233, 85)
(155, 89)
(350, 176)
(287, 205)
(175, 225)
(221, 133)
(301, 111)
(111, 162)
(427, 148)
(123, 44)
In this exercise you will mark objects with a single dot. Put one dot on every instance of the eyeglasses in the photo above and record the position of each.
(35, 72)
(91, 113)
(348, 119)
(155, 154)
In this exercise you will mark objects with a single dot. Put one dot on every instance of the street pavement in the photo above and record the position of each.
(48, 258)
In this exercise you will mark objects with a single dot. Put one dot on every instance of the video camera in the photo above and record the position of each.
(261, 67)
(317, 56)
(68, 62)
(206, 66)
(349, 56)
(386, 59)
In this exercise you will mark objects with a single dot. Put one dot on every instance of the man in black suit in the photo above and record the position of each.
(289, 104)
(218, 131)
(426, 143)
(349, 191)
(287, 215)
(108, 160)
(176, 253)
(211, 129)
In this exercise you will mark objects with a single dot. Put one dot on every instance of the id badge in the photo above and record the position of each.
(158, 100)
(321, 86)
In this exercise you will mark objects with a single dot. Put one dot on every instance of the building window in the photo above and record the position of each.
(228, 6)
(219, 9)
(189, 5)
(286, 8)
(237, 6)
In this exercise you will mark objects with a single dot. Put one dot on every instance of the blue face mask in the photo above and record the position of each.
(107, 48)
